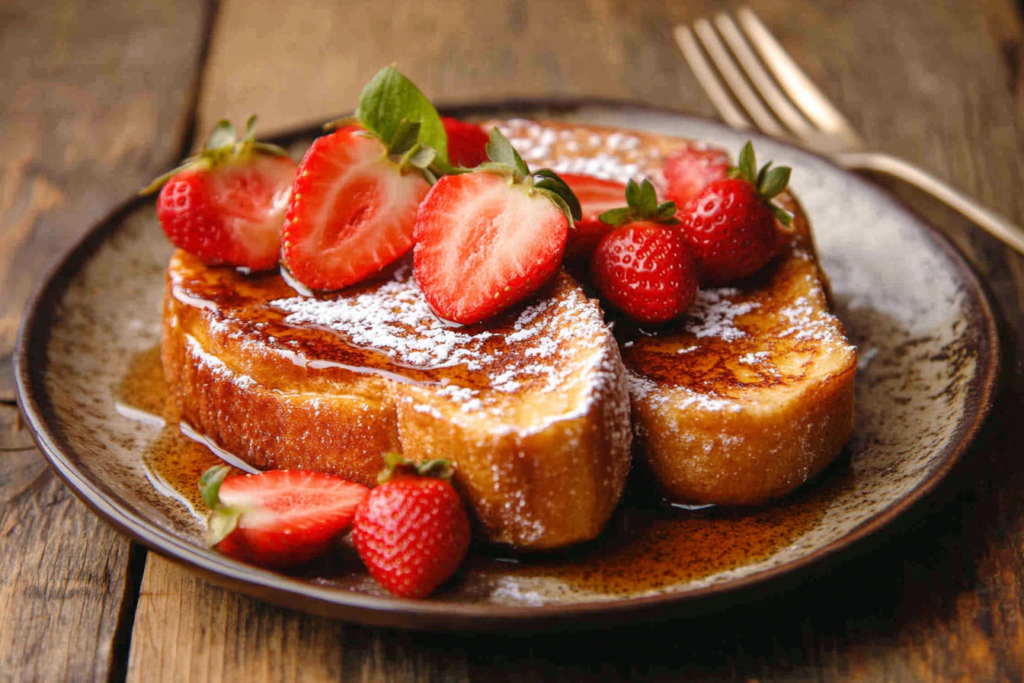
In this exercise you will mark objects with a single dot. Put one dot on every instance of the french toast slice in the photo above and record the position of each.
(751, 393)
(531, 407)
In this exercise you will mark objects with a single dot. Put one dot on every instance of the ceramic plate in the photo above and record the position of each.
(928, 367)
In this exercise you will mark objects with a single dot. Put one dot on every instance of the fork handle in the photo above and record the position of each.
(998, 226)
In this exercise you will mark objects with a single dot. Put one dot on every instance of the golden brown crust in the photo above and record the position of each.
(546, 404)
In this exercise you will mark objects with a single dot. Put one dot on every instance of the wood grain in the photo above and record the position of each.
(96, 101)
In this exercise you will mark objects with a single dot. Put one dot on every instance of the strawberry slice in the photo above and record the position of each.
(596, 196)
(467, 142)
(488, 239)
(352, 210)
(278, 518)
(226, 205)
(690, 170)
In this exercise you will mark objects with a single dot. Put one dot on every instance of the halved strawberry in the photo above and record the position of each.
(467, 142)
(690, 170)
(596, 196)
(352, 210)
(278, 518)
(488, 239)
(226, 205)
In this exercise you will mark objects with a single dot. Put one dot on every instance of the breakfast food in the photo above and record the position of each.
(531, 408)
(750, 393)
(478, 350)
(413, 532)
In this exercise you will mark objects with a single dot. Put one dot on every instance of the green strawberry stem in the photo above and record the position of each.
(769, 182)
(641, 205)
(222, 144)
(505, 160)
(396, 465)
(222, 519)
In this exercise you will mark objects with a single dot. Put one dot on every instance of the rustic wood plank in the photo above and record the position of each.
(940, 600)
(95, 103)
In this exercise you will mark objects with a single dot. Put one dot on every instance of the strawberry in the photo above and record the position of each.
(731, 224)
(596, 196)
(643, 267)
(690, 170)
(488, 239)
(413, 532)
(467, 142)
(226, 204)
(278, 518)
(354, 200)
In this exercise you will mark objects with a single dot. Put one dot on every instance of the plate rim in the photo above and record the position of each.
(30, 371)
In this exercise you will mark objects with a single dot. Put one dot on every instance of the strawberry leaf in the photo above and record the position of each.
(774, 182)
(648, 199)
(549, 180)
(501, 151)
(210, 483)
(615, 217)
(220, 525)
(748, 163)
(388, 99)
(641, 205)
(632, 193)
(407, 134)
(223, 135)
(785, 217)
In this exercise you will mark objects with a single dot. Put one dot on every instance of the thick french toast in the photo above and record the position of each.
(531, 407)
(752, 392)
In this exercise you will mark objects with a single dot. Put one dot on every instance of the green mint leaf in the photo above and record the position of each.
(748, 163)
(775, 181)
(615, 217)
(223, 134)
(209, 485)
(407, 134)
(501, 151)
(389, 98)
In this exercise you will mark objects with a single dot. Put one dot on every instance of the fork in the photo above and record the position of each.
(797, 111)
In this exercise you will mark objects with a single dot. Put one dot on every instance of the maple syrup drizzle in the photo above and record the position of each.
(648, 544)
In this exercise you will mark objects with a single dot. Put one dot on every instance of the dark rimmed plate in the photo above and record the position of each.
(929, 363)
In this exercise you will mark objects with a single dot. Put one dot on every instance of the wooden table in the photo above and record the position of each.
(98, 98)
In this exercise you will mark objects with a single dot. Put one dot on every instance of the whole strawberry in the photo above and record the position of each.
(226, 205)
(413, 531)
(731, 224)
(278, 518)
(688, 171)
(643, 267)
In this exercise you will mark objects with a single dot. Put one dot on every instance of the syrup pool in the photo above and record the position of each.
(648, 545)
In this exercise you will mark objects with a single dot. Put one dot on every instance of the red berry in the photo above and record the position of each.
(278, 518)
(690, 170)
(596, 196)
(467, 143)
(731, 231)
(351, 212)
(412, 534)
(645, 270)
(226, 205)
(485, 242)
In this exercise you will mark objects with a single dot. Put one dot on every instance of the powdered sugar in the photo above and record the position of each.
(713, 314)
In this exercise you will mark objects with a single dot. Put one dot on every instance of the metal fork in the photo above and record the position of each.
(797, 111)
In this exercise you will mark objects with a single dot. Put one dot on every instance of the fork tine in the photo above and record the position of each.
(760, 78)
(735, 79)
(811, 101)
(705, 74)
